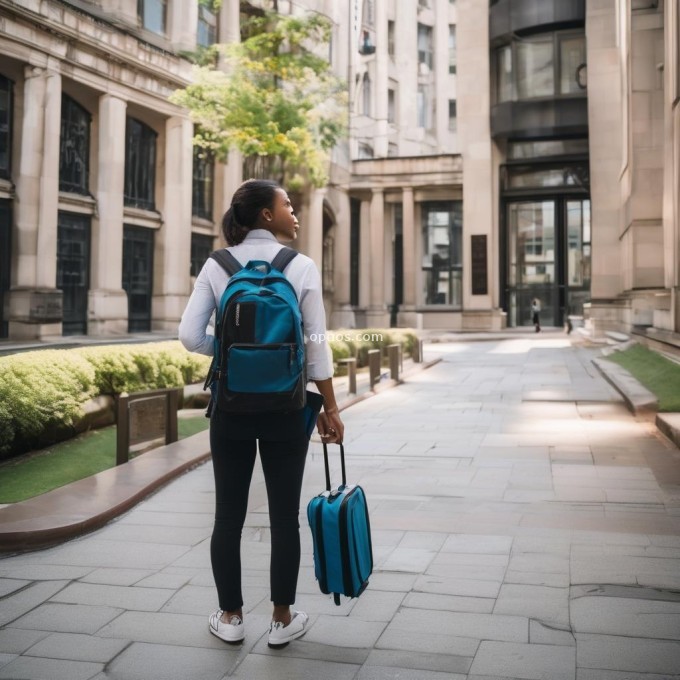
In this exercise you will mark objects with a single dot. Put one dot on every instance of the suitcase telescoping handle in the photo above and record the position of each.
(328, 472)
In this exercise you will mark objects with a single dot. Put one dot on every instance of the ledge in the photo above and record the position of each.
(91, 502)
(639, 400)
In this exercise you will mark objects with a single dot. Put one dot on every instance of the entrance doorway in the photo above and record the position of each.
(138, 276)
(548, 258)
(73, 270)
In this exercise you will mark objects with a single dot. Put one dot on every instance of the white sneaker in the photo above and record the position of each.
(231, 632)
(280, 635)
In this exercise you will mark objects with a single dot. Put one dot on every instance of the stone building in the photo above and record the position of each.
(499, 151)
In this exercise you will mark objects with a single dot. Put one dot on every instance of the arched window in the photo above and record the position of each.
(74, 147)
(140, 165)
(5, 126)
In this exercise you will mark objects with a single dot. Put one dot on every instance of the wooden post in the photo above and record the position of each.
(393, 354)
(122, 429)
(351, 364)
(373, 366)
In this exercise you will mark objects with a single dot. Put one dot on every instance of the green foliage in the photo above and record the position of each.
(42, 393)
(41, 390)
(357, 342)
(278, 102)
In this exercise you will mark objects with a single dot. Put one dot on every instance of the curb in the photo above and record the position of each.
(88, 504)
(640, 401)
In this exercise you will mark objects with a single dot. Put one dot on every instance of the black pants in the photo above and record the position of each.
(283, 463)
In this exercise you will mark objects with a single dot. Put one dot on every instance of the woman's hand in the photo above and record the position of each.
(330, 426)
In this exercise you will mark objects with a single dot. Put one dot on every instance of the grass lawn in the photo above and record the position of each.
(82, 456)
(658, 374)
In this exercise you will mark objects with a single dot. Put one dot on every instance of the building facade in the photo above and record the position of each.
(498, 151)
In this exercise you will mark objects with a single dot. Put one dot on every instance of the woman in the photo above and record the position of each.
(260, 217)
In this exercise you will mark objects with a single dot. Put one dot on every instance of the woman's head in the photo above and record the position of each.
(256, 204)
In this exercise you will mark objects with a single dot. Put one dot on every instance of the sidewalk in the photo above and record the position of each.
(525, 525)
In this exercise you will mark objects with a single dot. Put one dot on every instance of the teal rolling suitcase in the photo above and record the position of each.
(341, 531)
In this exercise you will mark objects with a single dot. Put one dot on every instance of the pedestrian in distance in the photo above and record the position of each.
(536, 314)
(258, 221)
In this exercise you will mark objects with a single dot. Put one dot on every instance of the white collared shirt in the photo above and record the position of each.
(302, 273)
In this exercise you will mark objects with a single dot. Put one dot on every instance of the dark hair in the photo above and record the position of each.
(248, 200)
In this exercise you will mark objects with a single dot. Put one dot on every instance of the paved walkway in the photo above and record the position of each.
(525, 525)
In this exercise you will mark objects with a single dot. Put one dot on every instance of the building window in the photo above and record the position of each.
(140, 165)
(5, 127)
(425, 103)
(392, 150)
(390, 38)
(572, 62)
(201, 247)
(453, 115)
(202, 185)
(74, 147)
(443, 252)
(365, 151)
(425, 46)
(452, 48)
(354, 250)
(206, 32)
(366, 95)
(535, 69)
(152, 15)
(548, 65)
(391, 106)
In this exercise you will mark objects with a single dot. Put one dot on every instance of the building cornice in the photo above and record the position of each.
(88, 42)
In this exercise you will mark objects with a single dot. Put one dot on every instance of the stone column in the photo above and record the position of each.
(408, 222)
(182, 25)
(173, 240)
(314, 226)
(377, 311)
(380, 87)
(35, 304)
(108, 309)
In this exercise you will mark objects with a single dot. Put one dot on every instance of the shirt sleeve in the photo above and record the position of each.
(319, 357)
(195, 321)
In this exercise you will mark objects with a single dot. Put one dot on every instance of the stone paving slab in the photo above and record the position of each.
(33, 668)
(533, 662)
(77, 647)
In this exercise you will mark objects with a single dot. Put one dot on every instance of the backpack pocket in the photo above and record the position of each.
(263, 369)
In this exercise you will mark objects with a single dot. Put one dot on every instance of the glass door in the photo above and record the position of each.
(73, 270)
(138, 276)
(532, 256)
(548, 251)
(577, 253)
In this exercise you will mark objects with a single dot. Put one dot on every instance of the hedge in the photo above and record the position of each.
(42, 393)
(355, 343)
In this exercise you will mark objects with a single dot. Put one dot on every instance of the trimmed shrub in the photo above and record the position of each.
(42, 393)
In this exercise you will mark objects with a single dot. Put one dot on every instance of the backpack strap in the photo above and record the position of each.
(283, 258)
(227, 261)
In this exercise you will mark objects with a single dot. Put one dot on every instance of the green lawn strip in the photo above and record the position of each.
(658, 374)
(80, 457)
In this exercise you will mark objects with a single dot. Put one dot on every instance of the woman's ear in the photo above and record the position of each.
(267, 214)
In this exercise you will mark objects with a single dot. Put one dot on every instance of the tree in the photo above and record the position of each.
(277, 101)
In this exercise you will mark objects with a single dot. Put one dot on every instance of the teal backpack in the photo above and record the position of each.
(259, 359)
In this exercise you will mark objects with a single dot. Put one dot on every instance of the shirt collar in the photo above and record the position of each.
(260, 234)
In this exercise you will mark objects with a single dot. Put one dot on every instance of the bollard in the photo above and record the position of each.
(393, 354)
(351, 373)
(418, 352)
(373, 366)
